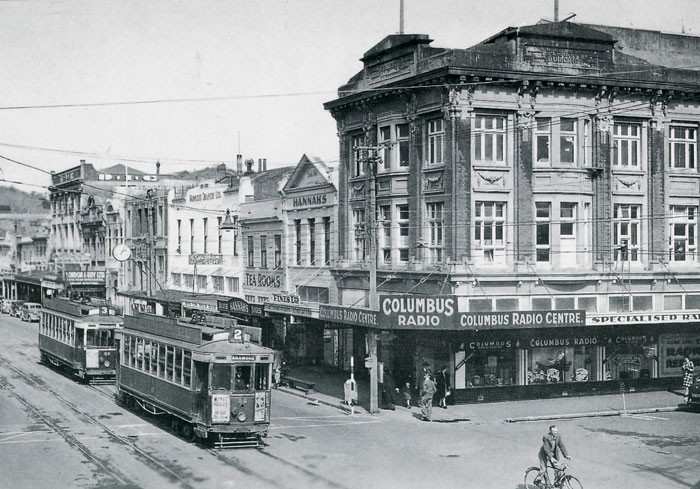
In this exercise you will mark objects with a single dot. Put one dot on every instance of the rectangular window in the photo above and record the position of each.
(489, 232)
(205, 232)
(385, 144)
(356, 160)
(169, 363)
(232, 284)
(567, 214)
(161, 361)
(436, 135)
(217, 283)
(543, 133)
(327, 240)
(403, 142)
(313, 294)
(297, 241)
(384, 219)
(218, 227)
(626, 144)
(186, 368)
(263, 251)
(312, 241)
(564, 303)
(251, 251)
(278, 251)
(619, 303)
(567, 141)
(189, 280)
(542, 304)
(201, 282)
(480, 305)
(435, 232)
(626, 227)
(191, 236)
(543, 218)
(673, 302)
(358, 221)
(179, 237)
(682, 238)
(178, 366)
(589, 304)
(177, 279)
(489, 139)
(402, 221)
(683, 146)
(235, 236)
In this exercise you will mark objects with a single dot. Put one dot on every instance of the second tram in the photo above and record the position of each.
(214, 384)
(79, 336)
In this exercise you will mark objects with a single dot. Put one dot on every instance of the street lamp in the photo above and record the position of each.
(228, 224)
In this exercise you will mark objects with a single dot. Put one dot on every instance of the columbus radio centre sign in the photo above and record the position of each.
(441, 312)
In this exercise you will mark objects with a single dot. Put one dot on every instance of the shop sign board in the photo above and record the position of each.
(293, 309)
(673, 348)
(522, 319)
(642, 318)
(418, 312)
(525, 339)
(346, 315)
(121, 177)
(234, 305)
(85, 277)
(205, 259)
(202, 306)
(257, 310)
(263, 280)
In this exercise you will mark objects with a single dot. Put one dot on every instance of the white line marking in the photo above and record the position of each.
(646, 417)
(313, 417)
(321, 425)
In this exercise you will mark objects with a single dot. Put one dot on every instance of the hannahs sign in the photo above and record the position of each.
(310, 200)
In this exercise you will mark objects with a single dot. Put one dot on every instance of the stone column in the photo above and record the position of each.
(602, 192)
(657, 207)
(523, 213)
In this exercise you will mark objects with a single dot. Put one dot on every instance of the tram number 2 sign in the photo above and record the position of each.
(220, 408)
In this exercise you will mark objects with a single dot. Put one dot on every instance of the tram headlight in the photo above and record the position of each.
(106, 363)
(242, 417)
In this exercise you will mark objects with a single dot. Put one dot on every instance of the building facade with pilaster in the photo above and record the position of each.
(536, 207)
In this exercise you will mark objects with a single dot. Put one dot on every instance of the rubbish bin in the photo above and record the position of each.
(350, 388)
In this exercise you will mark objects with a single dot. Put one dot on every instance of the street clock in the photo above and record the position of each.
(121, 252)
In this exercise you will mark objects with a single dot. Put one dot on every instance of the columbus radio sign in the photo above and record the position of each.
(412, 312)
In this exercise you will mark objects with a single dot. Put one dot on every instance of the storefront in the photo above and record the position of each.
(85, 283)
(533, 354)
(297, 325)
(29, 286)
(345, 336)
(247, 314)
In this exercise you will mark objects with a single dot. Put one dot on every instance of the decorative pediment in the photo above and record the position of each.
(311, 172)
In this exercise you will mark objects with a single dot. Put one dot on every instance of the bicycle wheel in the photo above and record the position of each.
(571, 482)
(530, 475)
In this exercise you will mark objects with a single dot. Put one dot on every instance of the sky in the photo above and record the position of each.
(193, 82)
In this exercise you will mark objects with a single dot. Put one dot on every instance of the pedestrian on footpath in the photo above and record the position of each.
(688, 369)
(407, 395)
(426, 397)
(442, 384)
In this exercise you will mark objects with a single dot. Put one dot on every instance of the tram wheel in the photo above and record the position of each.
(188, 432)
(43, 358)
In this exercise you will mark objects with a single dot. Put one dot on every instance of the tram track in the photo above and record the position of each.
(124, 480)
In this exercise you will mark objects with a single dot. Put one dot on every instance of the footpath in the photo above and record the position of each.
(329, 390)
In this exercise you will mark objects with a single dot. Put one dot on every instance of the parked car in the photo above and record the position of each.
(30, 311)
(16, 308)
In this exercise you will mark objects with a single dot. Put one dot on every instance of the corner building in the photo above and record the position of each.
(549, 169)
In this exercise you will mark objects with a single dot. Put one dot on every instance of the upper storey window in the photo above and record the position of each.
(626, 144)
(394, 143)
(436, 141)
(489, 139)
(356, 161)
(683, 146)
(556, 141)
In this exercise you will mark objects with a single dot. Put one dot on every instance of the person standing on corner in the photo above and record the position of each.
(426, 397)
(688, 368)
(442, 384)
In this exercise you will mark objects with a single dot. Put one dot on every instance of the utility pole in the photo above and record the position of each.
(371, 161)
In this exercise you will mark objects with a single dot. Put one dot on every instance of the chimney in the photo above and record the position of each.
(249, 166)
(259, 165)
(264, 164)
(239, 164)
(158, 167)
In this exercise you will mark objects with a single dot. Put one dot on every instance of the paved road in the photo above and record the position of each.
(55, 432)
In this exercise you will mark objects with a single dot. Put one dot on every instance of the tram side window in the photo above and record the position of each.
(161, 361)
(126, 355)
(262, 376)
(132, 352)
(79, 337)
(221, 376)
(139, 353)
(154, 358)
(146, 356)
(187, 368)
(71, 333)
(169, 363)
(178, 365)
(242, 376)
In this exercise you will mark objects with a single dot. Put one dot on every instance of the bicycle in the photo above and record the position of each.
(562, 480)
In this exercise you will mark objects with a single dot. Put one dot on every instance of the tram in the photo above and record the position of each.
(80, 336)
(213, 383)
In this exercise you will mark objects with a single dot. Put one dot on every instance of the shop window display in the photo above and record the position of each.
(629, 361)
(561, 364)
(489, 368)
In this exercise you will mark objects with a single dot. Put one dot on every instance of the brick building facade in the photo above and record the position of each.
(542, 170)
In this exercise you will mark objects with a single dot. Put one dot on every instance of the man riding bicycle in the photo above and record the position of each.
(552, 447)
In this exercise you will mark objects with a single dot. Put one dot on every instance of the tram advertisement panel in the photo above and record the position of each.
(260, 406)
(220, 408)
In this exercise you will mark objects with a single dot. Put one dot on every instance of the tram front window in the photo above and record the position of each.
(100, 338)
(221, 376)
(242, 376)
(262, 376)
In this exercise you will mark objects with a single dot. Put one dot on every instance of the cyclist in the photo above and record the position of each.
(552, 447)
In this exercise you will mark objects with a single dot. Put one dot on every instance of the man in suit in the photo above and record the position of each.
(552, 447)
